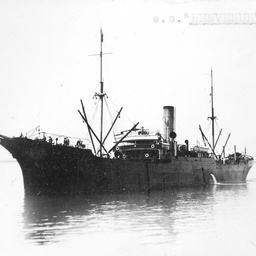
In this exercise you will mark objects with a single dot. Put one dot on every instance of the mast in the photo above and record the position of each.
(101, 94)
(212, 112)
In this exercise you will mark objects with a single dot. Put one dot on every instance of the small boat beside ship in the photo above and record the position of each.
(140, 159)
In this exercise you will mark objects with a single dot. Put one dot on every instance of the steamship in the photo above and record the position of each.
(140, 160)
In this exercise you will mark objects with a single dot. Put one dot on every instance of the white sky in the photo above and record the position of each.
(46, 70)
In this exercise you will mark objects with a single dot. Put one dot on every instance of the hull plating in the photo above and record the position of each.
(58, 169)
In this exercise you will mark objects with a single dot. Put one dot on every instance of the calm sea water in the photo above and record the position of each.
(214, 220)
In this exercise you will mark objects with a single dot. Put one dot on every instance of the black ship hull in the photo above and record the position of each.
(58, 169)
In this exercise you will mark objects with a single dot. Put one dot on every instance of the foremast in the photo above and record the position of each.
(101, 94)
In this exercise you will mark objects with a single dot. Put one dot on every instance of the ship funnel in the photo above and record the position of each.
(169, 121)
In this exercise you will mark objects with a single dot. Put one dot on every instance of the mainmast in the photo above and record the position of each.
(212, 111)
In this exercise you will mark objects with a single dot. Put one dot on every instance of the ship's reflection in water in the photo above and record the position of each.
(212, 220)
(51, 219)
(187, 221)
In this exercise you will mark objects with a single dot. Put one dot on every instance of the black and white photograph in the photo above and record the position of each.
(127, 127)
